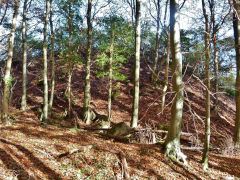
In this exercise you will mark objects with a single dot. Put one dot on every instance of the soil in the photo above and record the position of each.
(30, 149)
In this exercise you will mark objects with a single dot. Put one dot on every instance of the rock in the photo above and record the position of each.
(120, 129)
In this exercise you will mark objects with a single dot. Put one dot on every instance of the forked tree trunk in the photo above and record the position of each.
(165, 86)
(52, 60)
(207, 83)
(45, 80)
(110, 77)
(172, 143)
(157, 43)
(236, 27)
(87, 95)
(7, 76)
(134, 120)
(24, 63)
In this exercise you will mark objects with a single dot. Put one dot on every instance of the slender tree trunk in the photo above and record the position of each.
(24, 68)
(70, 64)
(165, 86)
(134, 120)
(236, 27)
(157, 43)
(216, 86)
(172, 143)
(207, 83)
(52, 60)
(215, 55)
(110, 77)
(45, 79)
(70, 91)
(7, 76)
(87, 94)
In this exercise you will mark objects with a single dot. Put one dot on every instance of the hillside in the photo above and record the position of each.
(57, 150)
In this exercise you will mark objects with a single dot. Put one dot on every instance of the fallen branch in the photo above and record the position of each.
(124, 165)
(80, 149)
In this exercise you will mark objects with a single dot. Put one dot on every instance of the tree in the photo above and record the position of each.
(113, 45)
(7, 76)
(215, 53)
(45, 79)
(137, 64)
(52, 60)
(236, 27)
(86, 109)
(24, 69)
(207, 83)
(158, 8)
(172, 142)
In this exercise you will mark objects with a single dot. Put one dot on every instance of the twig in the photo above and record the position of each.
(124, 165)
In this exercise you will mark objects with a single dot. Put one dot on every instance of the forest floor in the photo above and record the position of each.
(58, 150)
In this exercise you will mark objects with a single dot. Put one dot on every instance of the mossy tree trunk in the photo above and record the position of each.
(110, 76)
(87, 95)
(236, 27)
(207, 83)
(45, 64)
(24, 63)
(165, 86)
(7, 76)
(52, 61)
(134, 120)
(172, 143)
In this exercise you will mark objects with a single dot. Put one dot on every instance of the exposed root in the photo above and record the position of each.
(173, 152)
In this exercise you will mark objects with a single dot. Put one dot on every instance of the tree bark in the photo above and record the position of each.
(87, 94)
(236, 27)
(7, 76)
(24, 63)
(165, 86)
(45, 79)
(70, 63)
(110, 76)
(215, 56)
(207, 84)
(134, 120)
(52, 60)
(172, 143)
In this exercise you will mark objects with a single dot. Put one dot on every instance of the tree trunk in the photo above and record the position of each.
(134, 120)
(52, 60)
(7, 76)
(165, 86)
(207, 83)
(110, 76)
(70, 64)
(236, 27)
(87, 94)
(45, 79)
(215, 56)
(157, 43)
(24, 63)
(172, 143)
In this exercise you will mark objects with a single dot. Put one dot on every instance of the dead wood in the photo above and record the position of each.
(124, 165)
(79, 149)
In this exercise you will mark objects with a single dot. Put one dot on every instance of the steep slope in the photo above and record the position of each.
(31, 150)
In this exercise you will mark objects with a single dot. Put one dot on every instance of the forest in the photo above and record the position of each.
(119, 89)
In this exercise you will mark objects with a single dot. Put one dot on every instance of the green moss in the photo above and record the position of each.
(162, 127)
